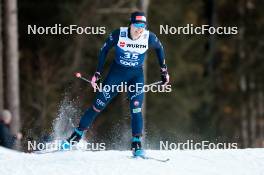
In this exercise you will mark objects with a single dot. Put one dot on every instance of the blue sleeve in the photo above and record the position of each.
(109, 43)
(155, 43)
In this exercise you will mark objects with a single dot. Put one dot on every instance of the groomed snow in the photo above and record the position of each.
(198, 162)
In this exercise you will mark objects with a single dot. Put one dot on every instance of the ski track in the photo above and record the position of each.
(189, 162)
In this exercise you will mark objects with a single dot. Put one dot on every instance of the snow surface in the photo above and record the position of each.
(191, 162)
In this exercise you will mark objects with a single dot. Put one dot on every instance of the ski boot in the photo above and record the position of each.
(136, 147)
(72, 140)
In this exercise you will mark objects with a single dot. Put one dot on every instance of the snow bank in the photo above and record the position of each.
(206, 162)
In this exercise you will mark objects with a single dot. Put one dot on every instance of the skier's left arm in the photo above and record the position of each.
(155, 43)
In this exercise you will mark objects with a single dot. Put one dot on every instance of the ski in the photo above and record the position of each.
(46, 151)
(150, 158)
(153, 158)
(61, 150)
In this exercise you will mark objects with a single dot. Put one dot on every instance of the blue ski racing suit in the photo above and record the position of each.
(127, 68)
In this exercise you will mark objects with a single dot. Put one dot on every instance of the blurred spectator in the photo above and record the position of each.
(7, 139)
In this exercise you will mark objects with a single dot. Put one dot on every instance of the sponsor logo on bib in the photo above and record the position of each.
(122, 44)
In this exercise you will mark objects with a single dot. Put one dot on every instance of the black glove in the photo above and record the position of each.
(165, 78)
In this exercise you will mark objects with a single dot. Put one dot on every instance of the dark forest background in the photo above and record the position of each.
(217, 84)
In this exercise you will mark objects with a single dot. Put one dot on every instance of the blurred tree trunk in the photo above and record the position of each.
(243, 80)
(211, 17)
(1, 62)
(210, 47)
(11, 53)
(260, 119)
(244, 112)
(253, 113)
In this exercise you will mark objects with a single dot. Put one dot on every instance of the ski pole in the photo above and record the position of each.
(155, 83)
(142, 91)
(79, 75)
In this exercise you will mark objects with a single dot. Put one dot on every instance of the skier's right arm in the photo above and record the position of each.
(109, 43)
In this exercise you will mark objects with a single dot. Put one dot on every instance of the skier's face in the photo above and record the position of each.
(7, 119)
(136, 31)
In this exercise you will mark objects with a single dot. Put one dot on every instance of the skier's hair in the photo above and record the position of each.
(5, 115)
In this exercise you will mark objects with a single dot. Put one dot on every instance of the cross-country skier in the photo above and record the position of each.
(131, 44)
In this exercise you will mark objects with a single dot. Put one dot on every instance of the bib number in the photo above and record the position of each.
(133, 56)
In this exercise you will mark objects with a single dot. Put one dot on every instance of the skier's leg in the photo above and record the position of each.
(102, 99)
(136, 101)
(88, 117)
